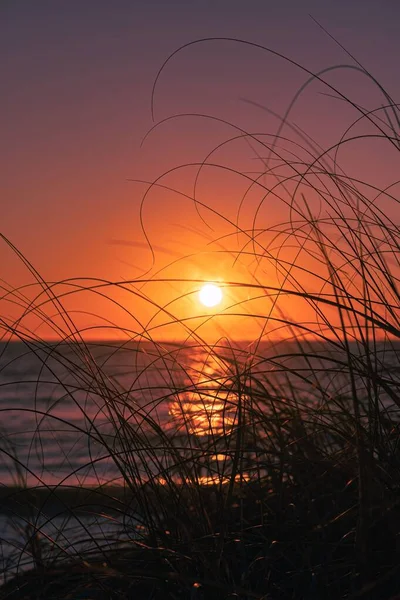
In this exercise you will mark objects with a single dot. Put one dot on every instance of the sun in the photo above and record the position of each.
(210, 295)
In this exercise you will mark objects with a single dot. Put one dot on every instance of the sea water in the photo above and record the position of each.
(61, 405)
(66, 409)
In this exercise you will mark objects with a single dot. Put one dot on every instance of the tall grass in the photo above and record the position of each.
(263, 470)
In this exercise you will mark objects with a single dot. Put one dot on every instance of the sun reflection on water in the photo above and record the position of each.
(208, 404)
(208, 419)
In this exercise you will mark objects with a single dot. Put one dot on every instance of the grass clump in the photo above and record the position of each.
(268, 469)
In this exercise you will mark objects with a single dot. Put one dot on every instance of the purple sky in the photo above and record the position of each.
(76, 83)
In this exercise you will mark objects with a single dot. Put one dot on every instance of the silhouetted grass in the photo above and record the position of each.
(275, 473)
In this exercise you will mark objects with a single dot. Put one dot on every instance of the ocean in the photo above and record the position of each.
(68, 410)
(61, 405)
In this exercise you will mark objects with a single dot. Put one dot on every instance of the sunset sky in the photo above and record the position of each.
(77, 78)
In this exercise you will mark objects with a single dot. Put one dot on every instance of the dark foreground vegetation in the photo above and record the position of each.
(297, 496)
(302, 539)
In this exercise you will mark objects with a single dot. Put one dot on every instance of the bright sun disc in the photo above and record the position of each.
(210, 295)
